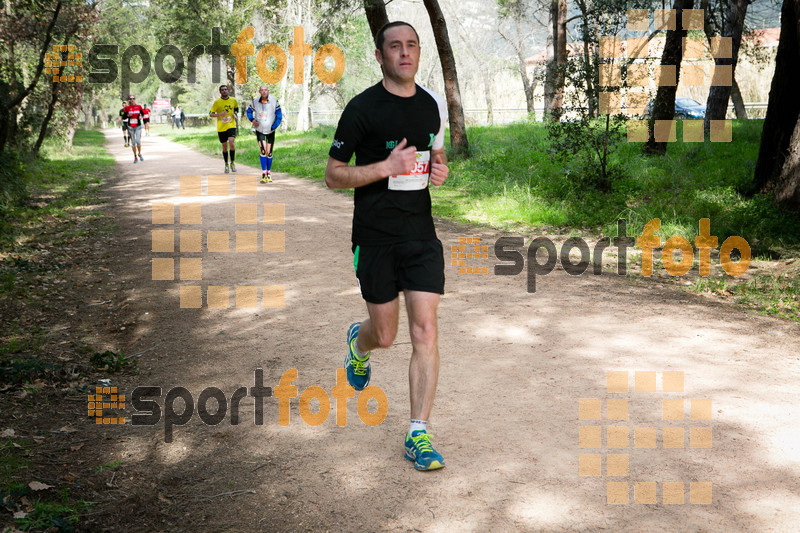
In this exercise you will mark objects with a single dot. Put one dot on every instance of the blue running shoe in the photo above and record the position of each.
(420, 452)
(358, 371)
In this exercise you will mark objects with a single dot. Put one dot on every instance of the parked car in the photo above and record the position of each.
(684, 108)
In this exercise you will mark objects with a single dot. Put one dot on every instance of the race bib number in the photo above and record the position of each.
(226, 119)
(134, 122)
(415, 180)
(146, 115)
(262, 116)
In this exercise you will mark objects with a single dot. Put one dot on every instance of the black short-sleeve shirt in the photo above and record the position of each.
(372, 124)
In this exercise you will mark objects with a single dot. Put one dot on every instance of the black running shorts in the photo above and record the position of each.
(385, 270)
(269, 137)
(225, 135)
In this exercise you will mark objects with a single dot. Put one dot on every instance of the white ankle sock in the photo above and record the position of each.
(417, 425)
(357, 350)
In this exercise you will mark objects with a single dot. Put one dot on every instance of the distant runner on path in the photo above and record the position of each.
(146, 120)
(225, 109)
(134, 113)
(265, 114)
(123, 122)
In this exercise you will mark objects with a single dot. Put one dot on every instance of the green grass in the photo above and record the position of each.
(771, 295)
(42, 511)
(511, 183)
(57, 185)
(300, 154)
(59, 200)
(56, 207)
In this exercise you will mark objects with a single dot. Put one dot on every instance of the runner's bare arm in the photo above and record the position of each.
(340, 175)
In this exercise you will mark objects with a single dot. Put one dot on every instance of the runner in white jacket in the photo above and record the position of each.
(265, 114)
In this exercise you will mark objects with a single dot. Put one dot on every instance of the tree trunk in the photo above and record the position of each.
(777, 168)
(46, 122)
(302, 113)
(738, 101)
(523, 67)
(458, 131)
(561, 51)
(376, 15)
(718, 95)
(664, 104)
(487, 92)
(76, 113)
(9, 101)
(588, 71)
(556, 60)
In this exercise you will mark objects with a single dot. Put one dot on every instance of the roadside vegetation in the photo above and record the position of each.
(48, 221)
(516, 181)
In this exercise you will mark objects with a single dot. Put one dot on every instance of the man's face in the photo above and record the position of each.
(223, 92)
(400, 54)
(264, 91)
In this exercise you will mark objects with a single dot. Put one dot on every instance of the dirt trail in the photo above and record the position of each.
(513, 368)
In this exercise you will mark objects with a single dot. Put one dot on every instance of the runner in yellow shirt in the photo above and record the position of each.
(225, 110)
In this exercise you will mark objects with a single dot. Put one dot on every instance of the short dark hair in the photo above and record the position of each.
(221, 86)
(380, 36)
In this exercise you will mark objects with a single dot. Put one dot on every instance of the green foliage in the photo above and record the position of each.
(511, 181)
(59, 182)
(777, 295)
(301, 154)
(18, 372)
(61, 515)
(586, 147)
(108, 466)
(110, 361)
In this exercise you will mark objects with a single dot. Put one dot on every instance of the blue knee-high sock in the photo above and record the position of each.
(263, 163)
(269, 163)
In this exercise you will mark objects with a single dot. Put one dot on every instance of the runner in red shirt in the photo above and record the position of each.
(146, 120)
(135, 114)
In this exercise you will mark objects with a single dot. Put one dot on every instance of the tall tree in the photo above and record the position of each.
(458, 131)
(664, 104)
(376, 15)
(516, 12)
(778, 166)
(556, 60)
(483, 62)
(22, 27)
(734, 12)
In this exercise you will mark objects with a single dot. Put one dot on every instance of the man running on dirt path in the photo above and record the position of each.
(265, 114)
(396, 130)
(134, 113)
(225, 110)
